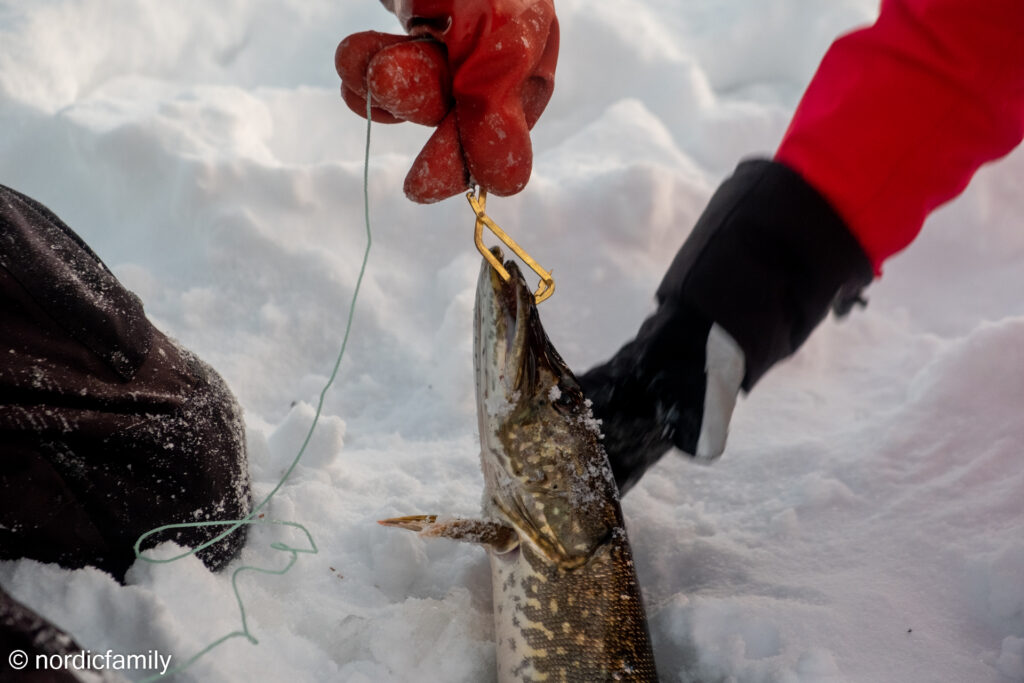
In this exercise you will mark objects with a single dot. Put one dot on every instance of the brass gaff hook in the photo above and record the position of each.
(547, 283)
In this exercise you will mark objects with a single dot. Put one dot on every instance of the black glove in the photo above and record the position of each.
(766, 261)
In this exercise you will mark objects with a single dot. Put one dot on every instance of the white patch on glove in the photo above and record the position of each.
(725, 366)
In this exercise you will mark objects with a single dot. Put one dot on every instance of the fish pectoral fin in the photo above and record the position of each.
(415, 523)
(498, 537)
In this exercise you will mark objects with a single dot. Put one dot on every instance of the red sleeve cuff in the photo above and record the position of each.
(901, 114)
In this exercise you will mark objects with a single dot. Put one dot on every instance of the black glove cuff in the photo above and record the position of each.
(766, 261)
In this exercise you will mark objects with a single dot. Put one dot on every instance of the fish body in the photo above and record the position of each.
(567, 604)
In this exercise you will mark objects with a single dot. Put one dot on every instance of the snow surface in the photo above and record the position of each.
(866, 521)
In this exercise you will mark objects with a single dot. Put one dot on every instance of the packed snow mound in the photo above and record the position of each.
(865, 523)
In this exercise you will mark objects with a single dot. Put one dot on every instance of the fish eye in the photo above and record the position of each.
(564, 402)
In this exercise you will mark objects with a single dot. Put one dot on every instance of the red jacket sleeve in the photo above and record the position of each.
(901, 114)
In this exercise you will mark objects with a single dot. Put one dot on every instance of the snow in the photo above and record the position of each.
(865, 522)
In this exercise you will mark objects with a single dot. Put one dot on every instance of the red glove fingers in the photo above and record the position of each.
(483, 81)
(411, 80)
(414, 83)
(500, 91)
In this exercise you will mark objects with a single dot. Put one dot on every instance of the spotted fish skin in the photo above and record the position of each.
(567, 606)
(585, 624)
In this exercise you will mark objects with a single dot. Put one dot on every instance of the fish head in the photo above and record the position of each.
(545, 471)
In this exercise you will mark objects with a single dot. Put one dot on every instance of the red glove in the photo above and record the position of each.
(482, 71)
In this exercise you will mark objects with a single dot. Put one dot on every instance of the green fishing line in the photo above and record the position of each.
(251, 518)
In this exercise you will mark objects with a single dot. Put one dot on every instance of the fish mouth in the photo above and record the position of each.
(512, 348)
(503, 346)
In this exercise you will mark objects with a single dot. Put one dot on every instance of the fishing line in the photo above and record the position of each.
(252, 518)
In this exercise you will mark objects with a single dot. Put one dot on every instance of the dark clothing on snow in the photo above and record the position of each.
(107, 428)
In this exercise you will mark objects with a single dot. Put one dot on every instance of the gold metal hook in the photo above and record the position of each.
(547, 283)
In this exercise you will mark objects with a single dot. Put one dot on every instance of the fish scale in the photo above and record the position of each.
(585, 624)
(567, 605)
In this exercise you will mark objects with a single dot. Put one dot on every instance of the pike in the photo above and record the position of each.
(567, 605)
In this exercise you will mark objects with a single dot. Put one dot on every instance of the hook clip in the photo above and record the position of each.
(479, 203)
